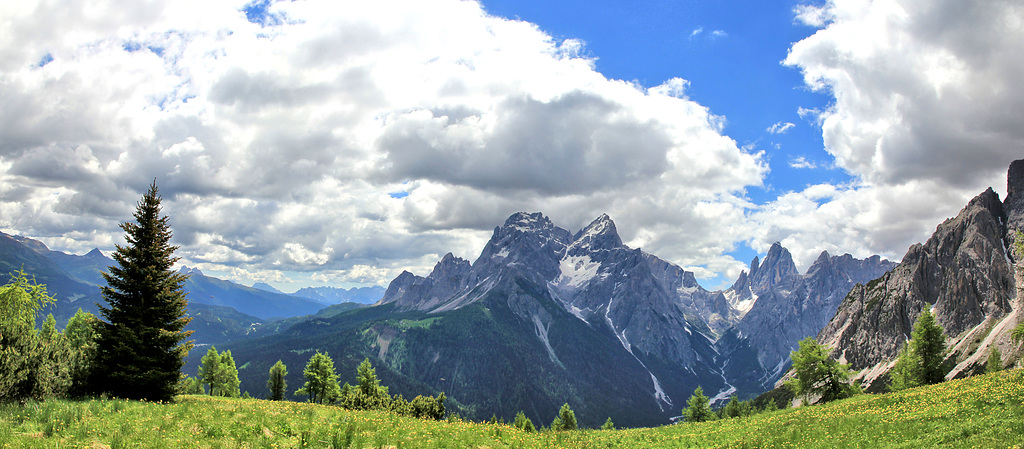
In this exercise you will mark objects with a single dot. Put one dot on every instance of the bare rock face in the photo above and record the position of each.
(963, 271)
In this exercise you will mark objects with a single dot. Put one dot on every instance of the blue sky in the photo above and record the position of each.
(730, 51)
(327, 142)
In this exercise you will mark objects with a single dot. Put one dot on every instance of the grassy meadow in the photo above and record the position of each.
(982, 411)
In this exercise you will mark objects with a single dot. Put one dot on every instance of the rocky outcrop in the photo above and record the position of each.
(963, 271)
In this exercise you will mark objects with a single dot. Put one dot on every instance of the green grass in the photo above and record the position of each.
(982, 411)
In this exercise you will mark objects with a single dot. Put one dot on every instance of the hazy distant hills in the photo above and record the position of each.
(221, 310)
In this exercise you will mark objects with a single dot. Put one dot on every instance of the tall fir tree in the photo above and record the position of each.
(277, 383)
(141, 341)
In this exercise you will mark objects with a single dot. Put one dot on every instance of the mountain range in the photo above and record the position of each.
(545, 316)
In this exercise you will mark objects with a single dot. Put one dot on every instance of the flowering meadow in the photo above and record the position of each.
(981, 411)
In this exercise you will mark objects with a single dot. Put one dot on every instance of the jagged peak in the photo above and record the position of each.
(449, 262)
(526, 221)
(754, 264)
(599, 233)
(190, 271)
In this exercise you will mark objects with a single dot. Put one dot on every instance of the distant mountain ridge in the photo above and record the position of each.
(222, 310)
(338, 295)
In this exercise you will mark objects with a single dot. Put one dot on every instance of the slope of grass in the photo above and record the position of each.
(983, 411)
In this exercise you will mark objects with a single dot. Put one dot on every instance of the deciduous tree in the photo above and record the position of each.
(698, 408)
(817, 374)
(321, 381)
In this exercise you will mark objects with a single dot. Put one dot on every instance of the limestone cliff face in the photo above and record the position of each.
(963, 271)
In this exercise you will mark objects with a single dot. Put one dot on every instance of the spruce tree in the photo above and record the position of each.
(276, 383)
(608, 424)
(929, 344)
(565, 420)
(141, 341)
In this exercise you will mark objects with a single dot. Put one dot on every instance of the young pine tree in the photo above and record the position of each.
(565, 420)
(929, 344)
(698, 408)
(321, 380)
(608, 424)
(995, 361)
(276, 383)
(141, 341)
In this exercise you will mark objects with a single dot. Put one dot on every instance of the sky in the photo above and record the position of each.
(334, 142)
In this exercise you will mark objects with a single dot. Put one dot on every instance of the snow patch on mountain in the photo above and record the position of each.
(577, 271)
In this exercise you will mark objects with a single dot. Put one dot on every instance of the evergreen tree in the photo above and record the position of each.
(906, 373)
(276, 383)
(698, 408)
(565, 420)
(995, 361)
(608, 425)
(771, 406)
(141, 340)
(81, 334)
(51, 373)
(210, 372)
(191, 385)
(818, 374)
(522, 422)
(20, 300)
(929, 344)
(321, 380)
(229, 382)
(732, 409)
(367, 376)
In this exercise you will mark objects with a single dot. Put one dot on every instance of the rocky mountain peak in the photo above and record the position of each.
(600, 234)
(449, 265)
(528, 222)
(95, 253)
(778, 265)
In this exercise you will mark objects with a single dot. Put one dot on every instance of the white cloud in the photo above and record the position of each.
(276, 146)
(926, 115)
(801, 162)
(780, 127)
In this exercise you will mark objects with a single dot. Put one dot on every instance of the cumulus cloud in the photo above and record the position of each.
(926, 112)
(277, 130)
